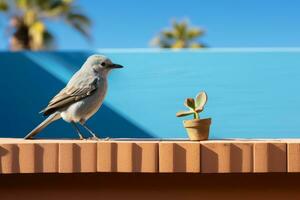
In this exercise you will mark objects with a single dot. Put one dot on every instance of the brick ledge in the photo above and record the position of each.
(149, 156)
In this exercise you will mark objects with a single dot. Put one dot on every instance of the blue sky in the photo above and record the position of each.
(228, 23)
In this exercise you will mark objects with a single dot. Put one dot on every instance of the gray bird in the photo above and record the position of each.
(82, 96)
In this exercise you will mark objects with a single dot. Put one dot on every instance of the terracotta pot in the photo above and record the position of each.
(197, 129)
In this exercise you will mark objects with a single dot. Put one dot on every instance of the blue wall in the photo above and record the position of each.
(252, 93)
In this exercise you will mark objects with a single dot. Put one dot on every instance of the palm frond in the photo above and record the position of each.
(165, 44)
(193, 33)
(81, 28)
(36, 32)
(56, 9)
(43, 5)
(3, 6)
(23, 4)
(180, 30)
(196, 45)
(49, 40)
(78, 18)
(180, 36)
(29, 30)
(179, 44)
(80, 22)
(168, 34)
(30, 17)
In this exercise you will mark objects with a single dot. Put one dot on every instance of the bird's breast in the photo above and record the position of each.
(87, 107)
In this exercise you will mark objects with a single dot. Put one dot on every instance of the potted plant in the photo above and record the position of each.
(197, 129)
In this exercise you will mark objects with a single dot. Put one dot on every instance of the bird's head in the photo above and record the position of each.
(101, 64)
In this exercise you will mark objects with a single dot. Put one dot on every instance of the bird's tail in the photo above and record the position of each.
(41, 126)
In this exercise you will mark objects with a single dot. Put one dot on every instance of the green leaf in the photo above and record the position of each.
(68, 1)
(161, 42)
(181, 35)
(57, 5)
(36, 32)
(198, 110)
(3, 6)
(194, 33)
(179, 44)
(57, 8)
(190, 103)
(78, 18)
(49, 41)
(184, 113)
(196, 45)
(82, 29)
(30, 17)
(23, 4)
(80, 22)
(201, 100)
(168, 34)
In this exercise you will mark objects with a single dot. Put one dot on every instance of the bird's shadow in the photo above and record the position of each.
(32, 87)
(105, 123)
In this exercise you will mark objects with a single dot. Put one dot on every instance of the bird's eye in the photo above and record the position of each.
(103, 64)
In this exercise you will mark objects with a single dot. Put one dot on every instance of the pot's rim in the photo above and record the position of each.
(197, 122)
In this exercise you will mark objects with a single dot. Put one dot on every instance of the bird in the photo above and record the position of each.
(81, 98)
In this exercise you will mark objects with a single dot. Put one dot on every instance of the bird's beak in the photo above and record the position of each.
(115, 66)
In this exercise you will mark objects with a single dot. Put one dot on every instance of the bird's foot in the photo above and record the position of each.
(98, 139)
(81, 137)
(93, 138)
(105, 139)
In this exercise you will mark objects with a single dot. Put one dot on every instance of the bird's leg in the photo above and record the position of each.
(78, 131)
(89, 130)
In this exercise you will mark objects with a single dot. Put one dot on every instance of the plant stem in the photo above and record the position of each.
(196, 116)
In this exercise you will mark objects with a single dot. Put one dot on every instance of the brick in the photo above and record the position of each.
(87, 157)
(215, 157)
(77, 157)
(226, 157)
(179, 157)
(66, 161)
(270, 157)
(145, 157)
(9, 158)
(166, 158)
(106, 157)
(241, 157)
(127, 156)
(46, 157)
(293, 157)
(27, 157)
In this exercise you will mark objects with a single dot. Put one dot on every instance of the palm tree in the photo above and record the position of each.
(180, 36)
(27, 22)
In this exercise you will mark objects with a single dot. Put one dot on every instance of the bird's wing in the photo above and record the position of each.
(70, 94)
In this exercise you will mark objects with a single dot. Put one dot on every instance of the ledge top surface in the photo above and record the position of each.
(155, 140)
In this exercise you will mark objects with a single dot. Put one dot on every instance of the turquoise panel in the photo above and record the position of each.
(252, 93)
